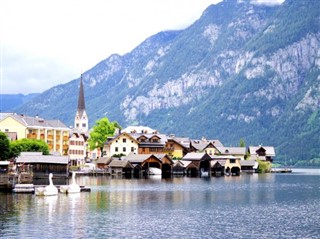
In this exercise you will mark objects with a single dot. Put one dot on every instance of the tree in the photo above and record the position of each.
(28, 145)
(4, 147)
(242, 143)
(101, 131)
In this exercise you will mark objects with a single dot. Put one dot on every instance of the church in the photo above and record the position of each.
(78, 145)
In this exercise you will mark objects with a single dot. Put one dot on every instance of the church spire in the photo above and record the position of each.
(81, 102)
(81, 119)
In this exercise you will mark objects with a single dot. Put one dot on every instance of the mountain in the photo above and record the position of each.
(241, 70)
(11, 101)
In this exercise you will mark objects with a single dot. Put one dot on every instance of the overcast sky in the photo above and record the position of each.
(44, 43)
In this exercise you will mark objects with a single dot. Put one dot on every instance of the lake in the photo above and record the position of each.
(246, 206)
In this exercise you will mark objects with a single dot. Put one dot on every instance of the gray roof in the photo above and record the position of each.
(116, 163)
(183, 141)
(162, 137)
(137, 158)
(193, 156)
(269, 150)
(51, 159)
(38, 122)
(232, 150)
(139, 130)
(103, 160)
(248, 163)
(200, 145)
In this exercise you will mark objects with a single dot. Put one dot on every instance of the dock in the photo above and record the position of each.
(30, 188)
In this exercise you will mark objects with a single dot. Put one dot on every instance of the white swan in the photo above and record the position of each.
(71, 188)
(49, 190)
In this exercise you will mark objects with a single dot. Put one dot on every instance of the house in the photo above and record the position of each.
(204, 145)
(150, 143)
(120, 167)
(142, 163)
(53, 132)
(238, 152)
(200, 163)
(102, 163)
(121, 144)
(217, 167)
(266, 153)
(77, 147)
(177, 147)
(231, 164)
(42, 165)
(249, 166)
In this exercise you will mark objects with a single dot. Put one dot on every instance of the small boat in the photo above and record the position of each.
(49, 190)
(155, 171)
(204, 173)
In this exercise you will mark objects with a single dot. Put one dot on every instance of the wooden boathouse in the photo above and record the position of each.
(42, 165)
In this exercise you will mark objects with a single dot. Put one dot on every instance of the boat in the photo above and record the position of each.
(204, 173)
(49, 190)
(155, 171)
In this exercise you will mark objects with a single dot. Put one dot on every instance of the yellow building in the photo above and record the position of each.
(53, 132)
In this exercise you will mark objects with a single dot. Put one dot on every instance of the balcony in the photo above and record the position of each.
(65, 138)
(65, 147)
(50, 137)
(31, 136)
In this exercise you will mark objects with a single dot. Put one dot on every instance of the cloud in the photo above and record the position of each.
(267, 2)
(47, 42)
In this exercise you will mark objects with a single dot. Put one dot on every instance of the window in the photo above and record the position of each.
(84, 125)
(124, 140)
(232, 161)
(77, 125)
(132, 149)
(7, 130)
(124, 149)
(116, 149)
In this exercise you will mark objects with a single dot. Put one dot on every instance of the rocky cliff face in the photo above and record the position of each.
(241, 71)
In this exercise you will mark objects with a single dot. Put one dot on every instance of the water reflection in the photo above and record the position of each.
(270, 205)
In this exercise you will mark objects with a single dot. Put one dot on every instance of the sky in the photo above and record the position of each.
(44, 43)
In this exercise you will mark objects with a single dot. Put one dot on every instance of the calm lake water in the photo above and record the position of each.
(247, 206)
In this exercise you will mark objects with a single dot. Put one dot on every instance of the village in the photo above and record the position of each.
(134, 151)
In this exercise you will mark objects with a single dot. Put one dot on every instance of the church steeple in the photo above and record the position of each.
(81, 102)
(81, 118)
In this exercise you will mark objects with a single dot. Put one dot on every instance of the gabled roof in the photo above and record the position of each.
(139, 130)
(182, 141)
(36, 158)
(137, 158)
(110, 140)
(196, 156)
(232, 150)
(269, 150)
(248, 163)
(120, 164)
(200, 145)
(162, 139)
(37, 122)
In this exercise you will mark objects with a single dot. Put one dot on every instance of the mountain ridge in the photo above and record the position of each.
(221, 78)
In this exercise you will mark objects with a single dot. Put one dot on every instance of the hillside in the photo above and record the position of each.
(240, 71)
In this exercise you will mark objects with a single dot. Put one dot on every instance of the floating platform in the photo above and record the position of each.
(30, 188)
(23, 188)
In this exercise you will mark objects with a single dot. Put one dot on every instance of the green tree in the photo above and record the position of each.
(101, 131)
(4, 147)
(28, 145)
(242, 143)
